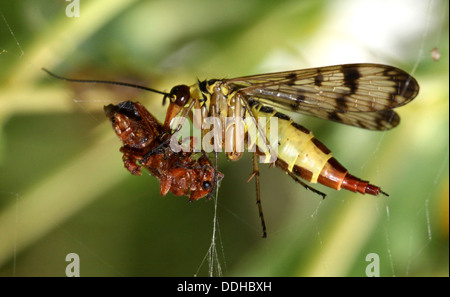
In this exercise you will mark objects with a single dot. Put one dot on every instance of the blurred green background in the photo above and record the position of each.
(63, 188)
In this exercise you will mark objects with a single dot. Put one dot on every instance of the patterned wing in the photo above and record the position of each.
(361, 95)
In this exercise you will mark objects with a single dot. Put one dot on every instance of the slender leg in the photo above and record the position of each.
(261, 133)
(258, 196)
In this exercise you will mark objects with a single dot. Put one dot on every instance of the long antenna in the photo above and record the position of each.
(107, 82)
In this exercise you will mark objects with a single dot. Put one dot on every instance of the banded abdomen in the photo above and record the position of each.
(300, 153)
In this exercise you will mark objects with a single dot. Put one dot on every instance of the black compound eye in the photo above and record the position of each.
(181, 94)
(207, 185)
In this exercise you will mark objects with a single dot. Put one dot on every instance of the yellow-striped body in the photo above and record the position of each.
(295, 143)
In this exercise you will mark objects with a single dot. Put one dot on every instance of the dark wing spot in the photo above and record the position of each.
(407, 87)
(318, 80)
(298, 100)
(388, 116)
(341, 104)
(333, 116)
(351, 75)
(291, 79)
